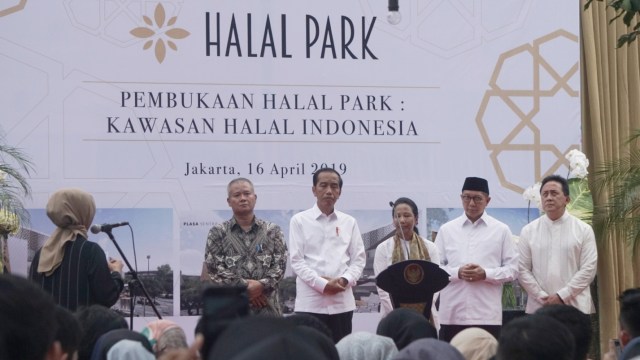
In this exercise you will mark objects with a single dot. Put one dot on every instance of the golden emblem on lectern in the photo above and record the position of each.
(413, 274)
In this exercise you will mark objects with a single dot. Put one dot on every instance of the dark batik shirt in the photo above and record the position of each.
(233, 255)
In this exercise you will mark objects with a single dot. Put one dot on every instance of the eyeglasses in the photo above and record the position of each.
(476, 199)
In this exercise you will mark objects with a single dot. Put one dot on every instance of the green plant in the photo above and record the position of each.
(621, 211)
(15, 167)
(508, 296)
(628, 10)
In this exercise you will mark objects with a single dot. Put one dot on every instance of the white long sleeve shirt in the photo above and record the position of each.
(558, 257)
(325, 245)
(488, 243)
(383, 259)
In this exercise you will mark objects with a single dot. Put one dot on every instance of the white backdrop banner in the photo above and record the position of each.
(159, 104)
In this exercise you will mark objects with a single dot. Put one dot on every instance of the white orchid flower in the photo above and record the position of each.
(578, 164)
(579, 172)
(532, 194)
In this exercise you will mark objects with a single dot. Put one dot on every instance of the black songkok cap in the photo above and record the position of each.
(476, 184)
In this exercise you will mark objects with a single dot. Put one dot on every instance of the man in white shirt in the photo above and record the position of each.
(558, 254)
(478, 253)
(327, 256)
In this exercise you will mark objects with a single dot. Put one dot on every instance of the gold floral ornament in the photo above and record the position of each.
(157, 33)
(9, 222)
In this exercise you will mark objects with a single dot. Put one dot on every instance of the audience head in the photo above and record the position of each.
(122, 344)
(96, 320)
(535, 337)
(475, 344)
(68, 333)
(629, 315)
(4, 353)
(366, 346)
(429, 349)
(302, 319)
(28, 321)
(630, 323)
(404, 326)
(576, 321)
(165, 335)
(267, 338)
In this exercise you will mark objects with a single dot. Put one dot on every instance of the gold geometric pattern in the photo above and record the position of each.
(156, 30)
(450, 28)
(517, 111)
(13, 8)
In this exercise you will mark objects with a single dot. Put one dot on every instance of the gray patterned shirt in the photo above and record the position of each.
(233, 255)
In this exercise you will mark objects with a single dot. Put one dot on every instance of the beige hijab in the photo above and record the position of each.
(475, 344)
(72, 211)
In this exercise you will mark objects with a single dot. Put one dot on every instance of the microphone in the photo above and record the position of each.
(394, 17)
(106, 227)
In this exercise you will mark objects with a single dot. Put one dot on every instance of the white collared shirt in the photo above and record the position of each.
(325, 245)
(558, 257)
(488, 243)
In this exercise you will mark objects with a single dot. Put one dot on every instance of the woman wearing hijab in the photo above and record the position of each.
(406, 244)
(429, 349)
(363, 345)
(165, 335)
(268, 338)
(72, 269)
(475, 344)
(122, 344)
(405, 326)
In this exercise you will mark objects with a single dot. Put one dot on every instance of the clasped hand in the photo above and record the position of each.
(472, 272)
(255, 291)
(334, 286)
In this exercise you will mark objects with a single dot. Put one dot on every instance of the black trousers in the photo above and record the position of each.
(447, 332)
(339, 324)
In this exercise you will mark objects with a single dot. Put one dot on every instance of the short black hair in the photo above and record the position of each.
(326, 169)
(304, 319)
(576, 321)
(405, 326)
(556, 178)
(27, 317)
(68, 333)
(96, 320)
(630, 311)
(535, 337)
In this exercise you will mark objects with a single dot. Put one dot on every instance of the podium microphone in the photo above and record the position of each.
(106, 227)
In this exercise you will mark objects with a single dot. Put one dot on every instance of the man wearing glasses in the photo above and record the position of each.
(478, 253)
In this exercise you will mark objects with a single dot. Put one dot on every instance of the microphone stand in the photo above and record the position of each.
(135, 281)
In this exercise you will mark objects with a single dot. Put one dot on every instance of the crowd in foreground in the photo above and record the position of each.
(555, 261)
(34, 327)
